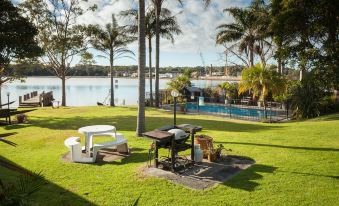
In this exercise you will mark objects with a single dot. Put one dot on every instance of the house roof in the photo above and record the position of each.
(193, 89)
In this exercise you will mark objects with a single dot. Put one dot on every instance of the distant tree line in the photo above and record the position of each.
(99, 70)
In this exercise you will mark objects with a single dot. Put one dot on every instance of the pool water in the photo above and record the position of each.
(227, 110)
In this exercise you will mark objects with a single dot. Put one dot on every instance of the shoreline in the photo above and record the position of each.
(216, 78)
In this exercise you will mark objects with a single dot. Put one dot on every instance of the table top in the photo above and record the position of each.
(158, 135)
(96, 129)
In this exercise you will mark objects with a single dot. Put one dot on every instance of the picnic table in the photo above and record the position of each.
(89, 131)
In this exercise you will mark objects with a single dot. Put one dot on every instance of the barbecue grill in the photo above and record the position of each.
(175, 139)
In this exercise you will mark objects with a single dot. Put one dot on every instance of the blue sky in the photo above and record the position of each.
(198, 26)
(197, 23)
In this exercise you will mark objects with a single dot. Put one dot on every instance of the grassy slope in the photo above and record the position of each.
(297, 162)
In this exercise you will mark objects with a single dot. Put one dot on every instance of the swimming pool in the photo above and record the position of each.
(237, 111)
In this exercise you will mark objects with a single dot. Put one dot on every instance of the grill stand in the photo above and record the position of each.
(161, 135)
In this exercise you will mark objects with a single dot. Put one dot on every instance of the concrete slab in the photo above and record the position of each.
(204, 175)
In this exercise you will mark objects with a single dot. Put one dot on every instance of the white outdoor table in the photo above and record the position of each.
(88, 131)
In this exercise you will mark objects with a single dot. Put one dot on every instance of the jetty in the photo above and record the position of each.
(34, 99)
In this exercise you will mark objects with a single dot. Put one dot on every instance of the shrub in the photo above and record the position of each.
(306, 98)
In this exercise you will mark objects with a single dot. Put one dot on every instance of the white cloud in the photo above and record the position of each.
(197, 23)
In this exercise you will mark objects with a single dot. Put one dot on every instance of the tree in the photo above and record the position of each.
(242, 32)
(112, 41)
(87, 59)
(168, 28)
(158, 5)
(260, 81)
(141, 68)
(179, 83)
(310, 36)
(59, 34)
(229, 89)
(17, 41)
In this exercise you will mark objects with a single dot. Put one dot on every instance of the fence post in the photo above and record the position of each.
(198, 105)
(230, 109)
(265, 110)
(271, 112)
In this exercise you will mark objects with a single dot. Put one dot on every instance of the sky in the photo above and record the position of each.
(197, 24)
(194, 47)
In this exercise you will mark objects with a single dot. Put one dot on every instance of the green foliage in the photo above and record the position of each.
(230, 89)
(306, 32)
(40, 145)
(287, 93)
(212, 92)
(86, 58)
(17, 40)
(112, 40)
(261, 81)
(18, 194)
(307, 98)
(179, 83)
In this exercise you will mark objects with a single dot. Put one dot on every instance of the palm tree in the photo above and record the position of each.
(179, 83)
(261, 81)
(243, 31)
(112, 41)
(168, 28)
(158, 5)
(141, 68)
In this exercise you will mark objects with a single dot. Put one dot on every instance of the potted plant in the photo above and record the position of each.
(219, 150)
(212, 155)
(21, 118)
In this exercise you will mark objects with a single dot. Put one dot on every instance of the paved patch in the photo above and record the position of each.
(206, 174)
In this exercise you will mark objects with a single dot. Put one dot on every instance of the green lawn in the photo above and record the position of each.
(297, 163)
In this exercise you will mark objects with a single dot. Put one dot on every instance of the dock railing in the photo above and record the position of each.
(33, 99)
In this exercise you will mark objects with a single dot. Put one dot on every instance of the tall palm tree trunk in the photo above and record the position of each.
(150, 70)
(157, 50)
(251, 55)
(141, 68)
(112, 78)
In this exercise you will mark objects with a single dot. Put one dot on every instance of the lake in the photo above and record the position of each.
(86, 91)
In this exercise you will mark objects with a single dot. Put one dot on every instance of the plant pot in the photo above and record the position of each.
(21, 118)
(205, 142)
(212, 157)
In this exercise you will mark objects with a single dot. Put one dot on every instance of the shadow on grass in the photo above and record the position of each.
(285, 147)
(2, 136)
(245, 180)
(310, 174)
(133, 158)
(49, 191)
(128, 122)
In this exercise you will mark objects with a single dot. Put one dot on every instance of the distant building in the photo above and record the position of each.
(168, 75)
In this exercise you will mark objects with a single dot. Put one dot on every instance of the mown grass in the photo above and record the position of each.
(297, 163)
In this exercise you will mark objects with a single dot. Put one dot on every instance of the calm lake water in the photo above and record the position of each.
(86, 91)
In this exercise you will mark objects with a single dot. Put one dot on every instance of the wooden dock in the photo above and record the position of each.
(34, 99)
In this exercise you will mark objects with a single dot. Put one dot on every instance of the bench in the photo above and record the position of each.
(119, 143)
(73, 143)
